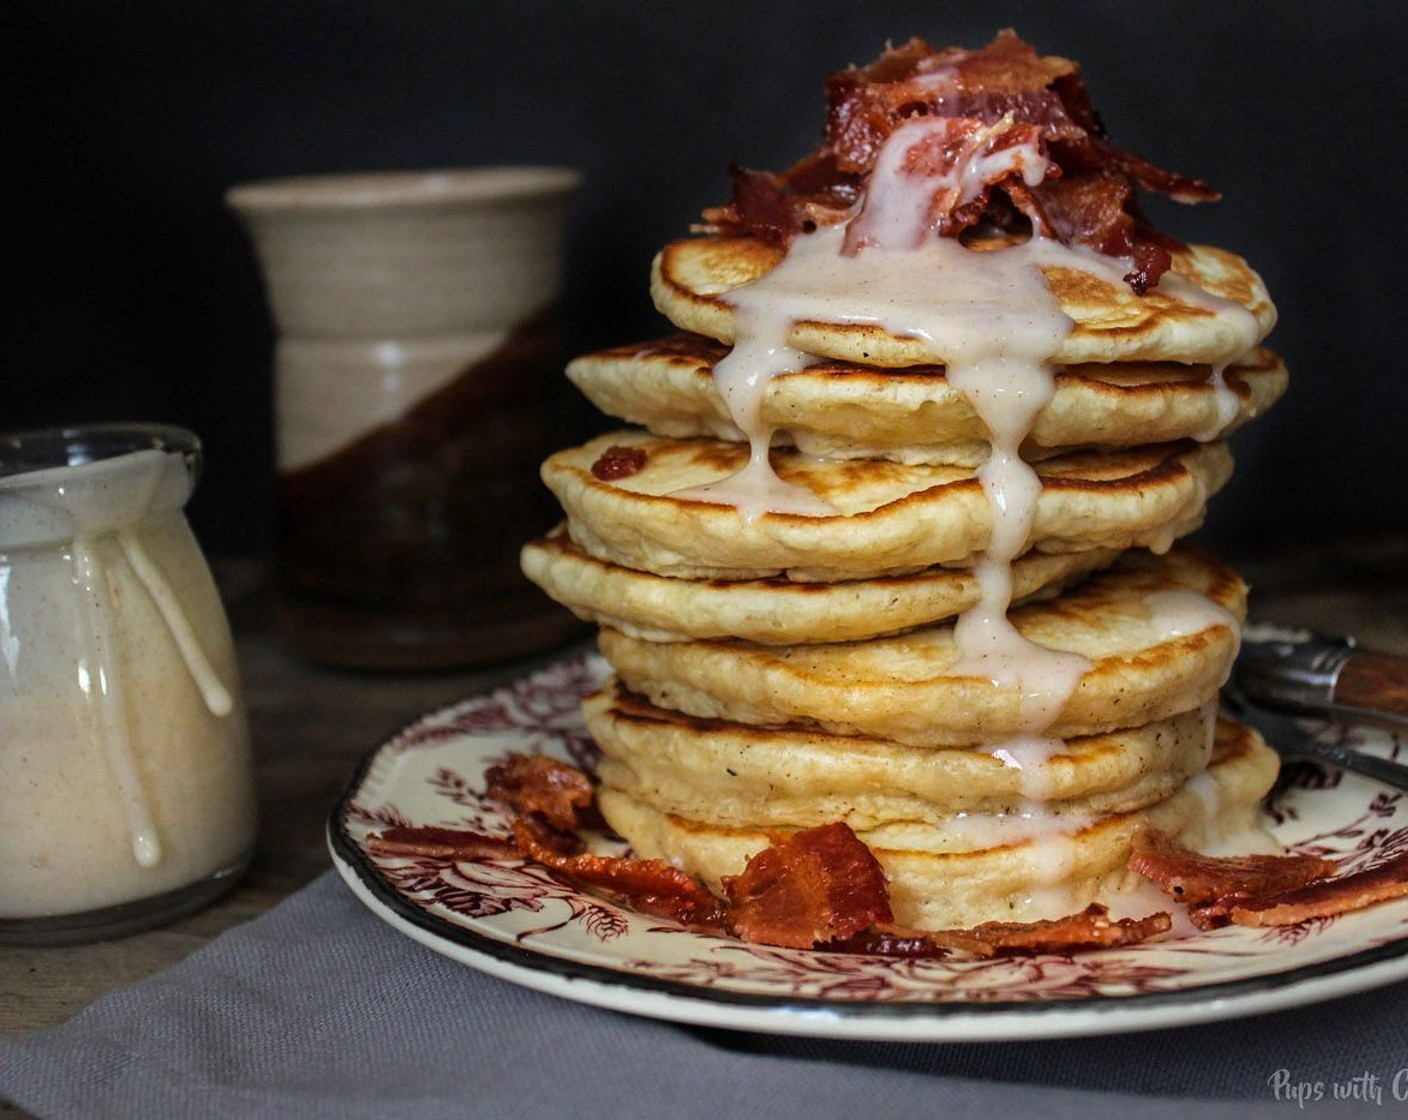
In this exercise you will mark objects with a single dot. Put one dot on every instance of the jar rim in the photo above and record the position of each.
(76, 445)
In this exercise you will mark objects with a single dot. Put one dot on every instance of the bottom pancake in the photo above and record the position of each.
(996, 867)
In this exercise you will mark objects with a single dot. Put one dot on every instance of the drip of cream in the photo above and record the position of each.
(1031, 756)
(1178, 613)
(1245, 331)
(216, 696)
(101, 674)
(1045, 836)
(760, 353)
(996, 324)
(100, 677)
(109, 507)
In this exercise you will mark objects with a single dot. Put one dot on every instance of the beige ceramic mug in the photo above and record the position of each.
(416, 353)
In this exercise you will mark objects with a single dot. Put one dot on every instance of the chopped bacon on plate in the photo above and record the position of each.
(538, 784)
(1194, 879)
(817, 885)
(1262, 890)
(651, 886)
(1324, 897)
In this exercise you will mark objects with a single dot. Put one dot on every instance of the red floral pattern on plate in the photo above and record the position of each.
(431, 774)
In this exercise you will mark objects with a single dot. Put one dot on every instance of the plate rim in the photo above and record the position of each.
(1225, 999)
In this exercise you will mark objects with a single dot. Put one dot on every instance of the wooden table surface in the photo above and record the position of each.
(311, 726)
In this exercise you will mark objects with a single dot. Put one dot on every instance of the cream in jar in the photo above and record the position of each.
(126, 782)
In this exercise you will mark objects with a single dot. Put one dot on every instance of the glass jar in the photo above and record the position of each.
(126, 780)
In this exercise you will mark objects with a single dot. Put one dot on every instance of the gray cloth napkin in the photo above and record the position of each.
(319, 1010)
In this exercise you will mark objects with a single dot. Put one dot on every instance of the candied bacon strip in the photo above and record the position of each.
(1198, 880)
(1091, 928)
(757, 195)
(817, 885)
(440, 843)
(557, 792)
(651, 886)
(1324, 898)
(1088, 197)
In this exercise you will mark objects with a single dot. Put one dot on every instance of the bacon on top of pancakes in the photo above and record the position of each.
(997, 98)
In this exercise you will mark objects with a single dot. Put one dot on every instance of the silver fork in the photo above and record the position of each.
(1285, 736)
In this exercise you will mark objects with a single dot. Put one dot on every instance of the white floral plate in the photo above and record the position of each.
(517, 922)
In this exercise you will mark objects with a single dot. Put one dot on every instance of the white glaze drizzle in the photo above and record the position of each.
(1245, 330)
(213, 691)
(1178, 612)
(1031, 825)
(100, 676)
(895, 213)
(1031, 756)
(760, 353)
(997, 326)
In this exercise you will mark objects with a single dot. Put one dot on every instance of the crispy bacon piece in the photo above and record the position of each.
(1092, 928)
(820, 884)
(651, 886)
(1262, 890)
(757, 195)
(1087, 197)
(1199, 880)
(1099, 210)
(441, 843)
(1325, 897)
(530, 784)
(619, 462)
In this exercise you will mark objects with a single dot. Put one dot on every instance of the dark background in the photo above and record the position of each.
(138, 296)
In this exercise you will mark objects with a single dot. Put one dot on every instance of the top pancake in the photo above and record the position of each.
(843, 410)
(690, 280)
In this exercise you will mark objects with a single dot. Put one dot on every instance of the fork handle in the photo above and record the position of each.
(1373, 684)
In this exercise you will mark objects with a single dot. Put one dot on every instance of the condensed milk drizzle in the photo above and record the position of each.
(100, 677)
(1243, 334)
(993, 319)
(760, 353)
(216, 696)
(101, 674)
(1175, 614)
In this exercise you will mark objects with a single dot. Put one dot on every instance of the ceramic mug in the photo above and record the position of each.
(416, 356)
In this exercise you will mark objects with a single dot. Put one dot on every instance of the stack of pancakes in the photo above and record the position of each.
(775, 671)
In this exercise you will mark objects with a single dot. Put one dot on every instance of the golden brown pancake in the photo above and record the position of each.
(1146, 665)
(797, 777)
(691, 279)
(842, 410)
(891, 518)
(776, 611)
(960, 876)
